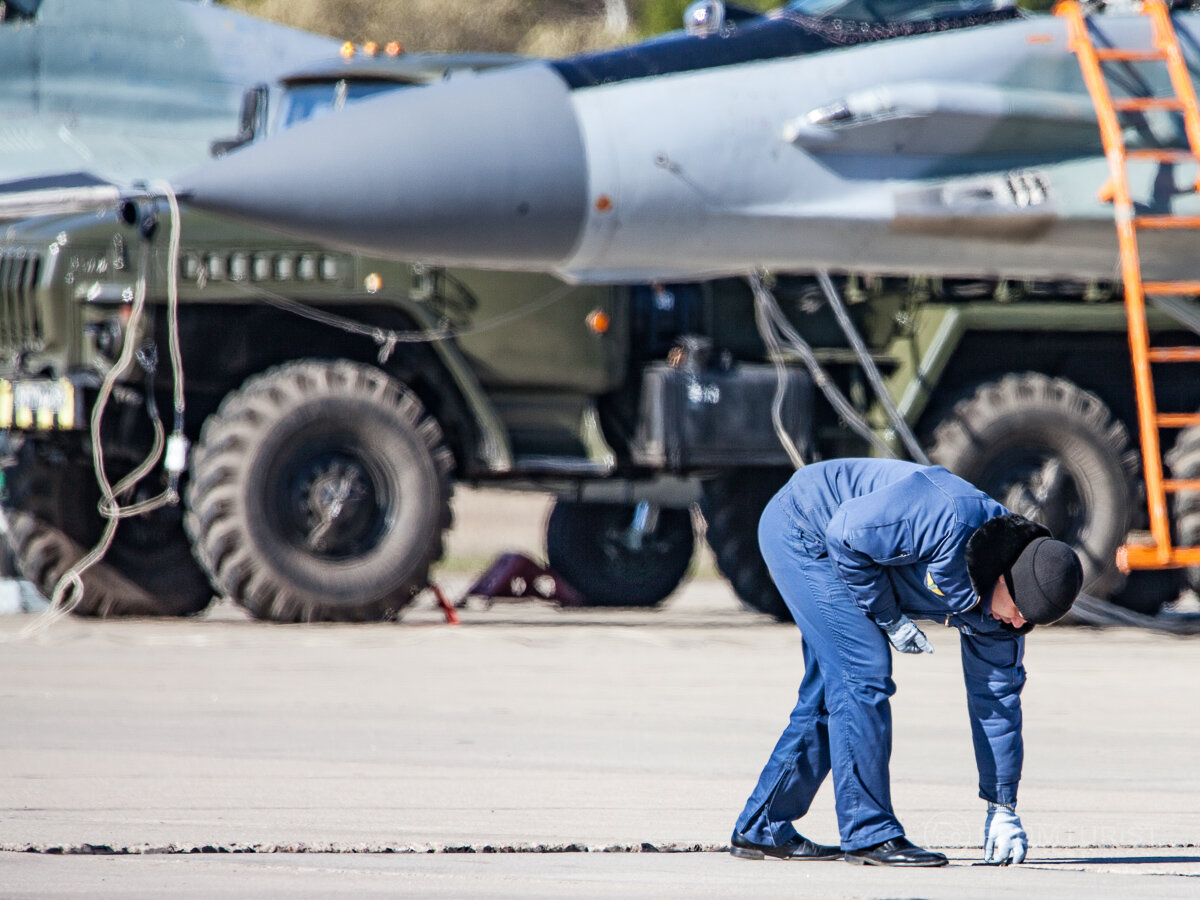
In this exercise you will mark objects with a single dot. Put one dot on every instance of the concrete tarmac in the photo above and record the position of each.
(539, 752)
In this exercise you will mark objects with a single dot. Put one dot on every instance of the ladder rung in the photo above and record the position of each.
(1164, 222)
(1174, 485)
(1137, 556)
(1115, 54)
(1160, 553)
(1145, 104)
(1177, 420)
(1156, 154)
(1171, 287)
(1173, 354)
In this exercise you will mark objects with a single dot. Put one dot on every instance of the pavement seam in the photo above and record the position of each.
(87, 849)
(167, 849)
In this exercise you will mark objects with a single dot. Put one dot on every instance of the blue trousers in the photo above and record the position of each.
(842, 720)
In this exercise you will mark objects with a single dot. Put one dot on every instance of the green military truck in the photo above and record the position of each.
(331, 402)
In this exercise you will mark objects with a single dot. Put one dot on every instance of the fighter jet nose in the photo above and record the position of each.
(484, 169)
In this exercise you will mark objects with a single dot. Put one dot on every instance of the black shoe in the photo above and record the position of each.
(797, 848)
(897, 852)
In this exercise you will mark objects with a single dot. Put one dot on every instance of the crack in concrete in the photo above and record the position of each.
(302, 847)
(87, 849)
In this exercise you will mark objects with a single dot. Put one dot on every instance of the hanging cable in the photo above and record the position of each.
(899, 425)
(388, 338)
(177, 444)
(774, 318)
(68, 591)
(775, 354)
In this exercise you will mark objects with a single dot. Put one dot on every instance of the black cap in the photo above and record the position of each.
(1045, 580)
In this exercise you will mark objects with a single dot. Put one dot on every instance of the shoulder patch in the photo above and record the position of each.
(929, 583)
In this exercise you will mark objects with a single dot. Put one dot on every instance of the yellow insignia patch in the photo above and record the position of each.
(930, 584)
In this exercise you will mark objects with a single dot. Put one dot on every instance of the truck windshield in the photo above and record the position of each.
(886, 11)
(312, 99)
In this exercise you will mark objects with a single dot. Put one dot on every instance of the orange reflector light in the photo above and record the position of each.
(370, 48)
(604, 203)
(373, 283)
(598, 321)
(1039, 39)
(347, 50)
(393, 48)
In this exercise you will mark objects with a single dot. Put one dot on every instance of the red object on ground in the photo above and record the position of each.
(446, 605)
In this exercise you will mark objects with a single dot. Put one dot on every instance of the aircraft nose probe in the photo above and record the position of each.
(479, 169)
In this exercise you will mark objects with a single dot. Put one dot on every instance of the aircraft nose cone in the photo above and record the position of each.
(482, 169)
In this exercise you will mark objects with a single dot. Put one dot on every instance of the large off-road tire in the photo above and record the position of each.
(592, 547)
(1184, 463)
(319, 492)
(732, 506)
(1053, 452)
(148, 570)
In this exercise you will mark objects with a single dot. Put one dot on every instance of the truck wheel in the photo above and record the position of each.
(732, 506)
(319, 492)
(1184, 461)
(1053, 452)
(148, 570)
(596, 549)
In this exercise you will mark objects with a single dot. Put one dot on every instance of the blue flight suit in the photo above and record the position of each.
(852, 543)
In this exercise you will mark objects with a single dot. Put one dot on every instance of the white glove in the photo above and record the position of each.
(1004, 839)
(907, 637)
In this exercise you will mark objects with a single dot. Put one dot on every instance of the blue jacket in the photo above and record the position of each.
(896, 534)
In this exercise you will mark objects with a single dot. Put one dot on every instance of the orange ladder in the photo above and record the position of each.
(1161, 553)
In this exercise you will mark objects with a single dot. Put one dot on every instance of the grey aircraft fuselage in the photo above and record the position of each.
(96, 93)
(951, 140)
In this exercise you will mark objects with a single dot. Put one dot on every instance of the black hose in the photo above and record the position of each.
(1089, 610)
